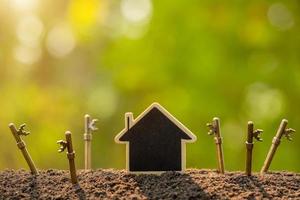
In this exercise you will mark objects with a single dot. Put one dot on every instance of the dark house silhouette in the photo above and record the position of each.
(155, 141)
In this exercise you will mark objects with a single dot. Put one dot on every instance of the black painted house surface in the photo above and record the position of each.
(155, 141)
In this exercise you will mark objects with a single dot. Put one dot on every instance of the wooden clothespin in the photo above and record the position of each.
(214, 129)
(90, 126)
(22, 146)
(282, 130)
(249, 145)
(70, 154)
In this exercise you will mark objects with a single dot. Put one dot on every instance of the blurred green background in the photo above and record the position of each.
(236, 60)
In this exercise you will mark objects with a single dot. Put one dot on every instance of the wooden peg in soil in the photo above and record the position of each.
(282, 130)
(249, 145)
(89, 127)
(214, 129)
(22, 146)
(70, 154)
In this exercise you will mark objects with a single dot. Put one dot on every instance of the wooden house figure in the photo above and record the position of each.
(155, 141)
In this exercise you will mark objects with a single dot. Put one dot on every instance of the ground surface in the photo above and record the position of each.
(113, 184)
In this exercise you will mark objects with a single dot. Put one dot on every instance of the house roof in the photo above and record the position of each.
(157, 106)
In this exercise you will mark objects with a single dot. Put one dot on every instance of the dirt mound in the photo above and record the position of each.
(114, 184)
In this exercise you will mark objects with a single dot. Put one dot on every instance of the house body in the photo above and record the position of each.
(155, 141)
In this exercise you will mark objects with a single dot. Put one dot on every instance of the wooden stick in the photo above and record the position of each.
(89, 127)
(282, 130)
(70, 155)
(22, 146)
(249, 145)
(87, 143)
(215, 130)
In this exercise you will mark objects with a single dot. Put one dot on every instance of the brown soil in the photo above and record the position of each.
(113, 184)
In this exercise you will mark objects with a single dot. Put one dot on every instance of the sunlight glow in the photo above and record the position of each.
(29, 30)
(280, 17)
(84, 14)
(60, 40)
(136, 15)
(264, 103)
(27, 55)
(24, 5)
(136, 11)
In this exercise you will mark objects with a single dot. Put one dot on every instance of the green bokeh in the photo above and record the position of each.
(200, 59)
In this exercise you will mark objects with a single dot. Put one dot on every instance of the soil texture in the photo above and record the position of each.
(116, 184)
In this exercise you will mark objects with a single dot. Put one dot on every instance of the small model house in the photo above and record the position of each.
(155, 141)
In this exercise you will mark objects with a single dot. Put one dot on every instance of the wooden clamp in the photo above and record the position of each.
(214, 129)
(22, 146)
(89, 127)
(70, 154)
(249, 145)
(282, 130)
